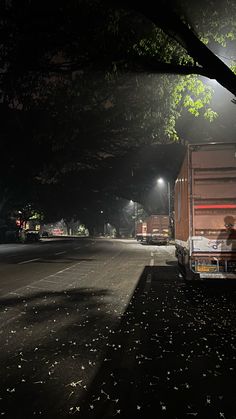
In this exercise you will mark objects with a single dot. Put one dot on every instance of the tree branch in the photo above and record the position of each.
(173, 26)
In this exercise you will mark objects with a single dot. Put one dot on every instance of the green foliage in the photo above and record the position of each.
(191, 94)
(37, 216)
(186, 92)
(233, 68)
(170, 127)
(213, 21)
(27, 213)
(165, 49)
(210, 115)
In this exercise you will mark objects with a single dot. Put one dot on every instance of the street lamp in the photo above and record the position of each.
(102, 225)
(134, 216)
(161, 181)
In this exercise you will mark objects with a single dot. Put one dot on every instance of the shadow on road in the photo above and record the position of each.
(43, 337)
(171, 355)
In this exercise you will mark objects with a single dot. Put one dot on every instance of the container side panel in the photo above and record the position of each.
(214, 156)
(214, 198)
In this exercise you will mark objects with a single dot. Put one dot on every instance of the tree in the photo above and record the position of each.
(78, 107)
(205, 62)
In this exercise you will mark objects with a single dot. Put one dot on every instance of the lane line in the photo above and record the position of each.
(17, 291)
(28, 261)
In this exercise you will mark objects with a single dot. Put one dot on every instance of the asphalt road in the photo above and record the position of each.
(21, 264)
(105, 328)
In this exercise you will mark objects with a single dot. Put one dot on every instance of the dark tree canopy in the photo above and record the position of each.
(85, 85)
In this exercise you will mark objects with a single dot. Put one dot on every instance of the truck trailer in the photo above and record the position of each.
(153, 230)
(205, 212)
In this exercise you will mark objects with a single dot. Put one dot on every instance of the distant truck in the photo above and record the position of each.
(205, 212)
(153, 230)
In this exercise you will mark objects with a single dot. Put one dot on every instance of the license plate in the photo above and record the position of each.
(206, 269)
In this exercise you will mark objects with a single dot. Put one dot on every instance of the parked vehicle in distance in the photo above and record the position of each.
(31, 236)
(205, 212)
(153, 230)
(45, 234)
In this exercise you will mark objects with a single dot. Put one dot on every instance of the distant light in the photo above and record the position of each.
(101, 212)
(160, 180)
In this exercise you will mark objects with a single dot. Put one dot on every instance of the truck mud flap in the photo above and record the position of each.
(187, 275)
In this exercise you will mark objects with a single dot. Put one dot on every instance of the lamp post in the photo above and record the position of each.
(134, 216)
(161, 181)
(103, 226)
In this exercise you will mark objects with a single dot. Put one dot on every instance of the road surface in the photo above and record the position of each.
(98, 328)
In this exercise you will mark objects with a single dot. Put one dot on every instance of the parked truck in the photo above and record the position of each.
(205, 212)
(153, 230)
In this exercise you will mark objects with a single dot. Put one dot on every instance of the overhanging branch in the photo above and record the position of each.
(173, 26)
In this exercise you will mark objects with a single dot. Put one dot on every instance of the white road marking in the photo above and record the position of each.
(15, 293)
(59, 253)
(28, 261)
